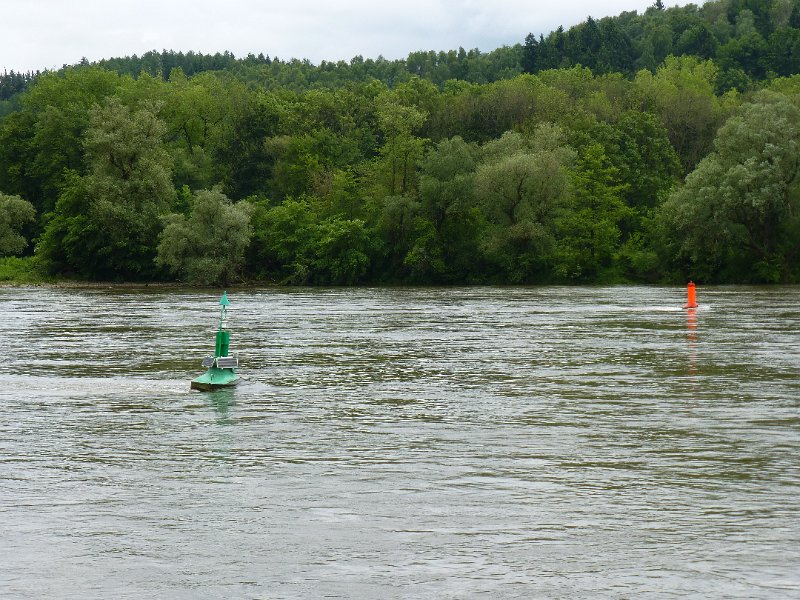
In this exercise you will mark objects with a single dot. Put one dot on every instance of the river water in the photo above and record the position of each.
(593, 442)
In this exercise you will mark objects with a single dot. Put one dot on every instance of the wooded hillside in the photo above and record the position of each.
(649, 147)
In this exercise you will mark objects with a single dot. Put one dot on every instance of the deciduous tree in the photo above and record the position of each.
(14, 214)
(106, 222)
(522, 193)
(738, 215)
(207, 246)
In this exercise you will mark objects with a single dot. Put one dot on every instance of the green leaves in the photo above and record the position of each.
(740, 209)
(105, 221)
(292, 245)
(589, 231)
(444, 168)
(207, 247)
(14, 214)
(522, 188)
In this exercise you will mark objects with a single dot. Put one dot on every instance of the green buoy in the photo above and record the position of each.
(221, 367)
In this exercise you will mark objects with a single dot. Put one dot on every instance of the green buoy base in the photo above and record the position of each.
(214, 379)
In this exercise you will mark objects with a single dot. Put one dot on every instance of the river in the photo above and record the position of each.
(566, 442)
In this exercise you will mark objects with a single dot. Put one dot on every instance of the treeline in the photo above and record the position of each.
(749, 40)
(13, 83)
(560, 176)
(299, 75)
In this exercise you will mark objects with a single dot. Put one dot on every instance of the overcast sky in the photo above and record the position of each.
(41, 34)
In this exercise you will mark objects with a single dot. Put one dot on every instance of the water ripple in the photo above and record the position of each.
(499, 442)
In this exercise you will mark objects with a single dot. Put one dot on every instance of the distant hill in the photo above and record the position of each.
(749, 39)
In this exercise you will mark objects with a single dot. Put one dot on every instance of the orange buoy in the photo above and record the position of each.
(691, 296)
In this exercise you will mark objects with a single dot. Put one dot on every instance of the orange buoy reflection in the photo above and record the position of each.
(691, 324)
(691, 336)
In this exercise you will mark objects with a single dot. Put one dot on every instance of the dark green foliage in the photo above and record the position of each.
(747, 53)
(280, 236)
(742, 34)
(589, 231)
(638, 148)
(42, 141)
(12, 83)
(243, 159)
(783, 52)
(699, 41)
(161, 64)
(612, 44)
(446, 229)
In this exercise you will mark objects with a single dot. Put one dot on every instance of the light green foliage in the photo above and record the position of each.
(682, 94)
(207, 246)
(292, 245)
(14, 214)
(788, 86)
(129, 168)
(517, 183)
(280, 234)
(401, 149)
(739, 211)
(25, 269)
(128, 183)
(781, 12)
(506, 105)
(420, 94)
(338, 252)
(339, 193)
(589, 232)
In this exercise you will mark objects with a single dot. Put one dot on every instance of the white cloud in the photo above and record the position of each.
(40, 34)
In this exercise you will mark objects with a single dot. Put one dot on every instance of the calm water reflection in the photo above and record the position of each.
(495, 442)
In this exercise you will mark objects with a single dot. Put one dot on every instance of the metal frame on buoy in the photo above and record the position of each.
(222, 366)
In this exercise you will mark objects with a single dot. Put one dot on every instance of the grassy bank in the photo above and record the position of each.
(26, 270)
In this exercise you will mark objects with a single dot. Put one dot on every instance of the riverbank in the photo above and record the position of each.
(22, 271)
(25, 271)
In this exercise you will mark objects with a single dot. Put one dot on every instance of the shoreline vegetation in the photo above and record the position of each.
(38, 279)
(642, 148)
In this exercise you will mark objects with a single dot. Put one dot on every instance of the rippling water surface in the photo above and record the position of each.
(415, 443)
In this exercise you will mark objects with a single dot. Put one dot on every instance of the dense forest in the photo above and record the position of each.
(643, 147)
